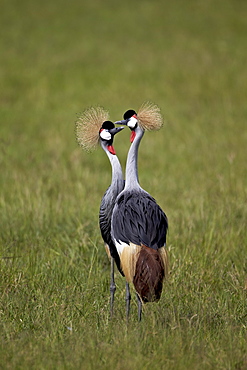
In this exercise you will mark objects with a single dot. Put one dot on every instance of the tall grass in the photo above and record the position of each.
(57, 58)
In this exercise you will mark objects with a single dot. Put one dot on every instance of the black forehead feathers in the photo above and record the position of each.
(108, 125)
(129, 113)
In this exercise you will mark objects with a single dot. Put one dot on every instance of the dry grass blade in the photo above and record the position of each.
(88, 125)
(149, 117)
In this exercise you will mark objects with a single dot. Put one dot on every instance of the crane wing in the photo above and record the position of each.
(105, 214)
(138, 219)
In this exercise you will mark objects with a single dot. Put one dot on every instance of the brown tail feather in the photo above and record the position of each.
(149, 274)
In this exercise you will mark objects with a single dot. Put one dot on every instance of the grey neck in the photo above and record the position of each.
(132, 180)
(117, 173)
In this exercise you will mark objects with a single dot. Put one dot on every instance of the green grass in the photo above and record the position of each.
(56, 59)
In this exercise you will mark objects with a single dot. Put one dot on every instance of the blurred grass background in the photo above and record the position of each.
(56, 59)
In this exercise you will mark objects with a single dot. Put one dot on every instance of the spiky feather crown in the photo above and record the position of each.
(149, 117)
(88, 125)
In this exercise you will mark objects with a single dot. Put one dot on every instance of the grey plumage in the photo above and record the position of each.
(105, 214)
(106, 134)
(139, 226)
(139, 220)
(93, 128)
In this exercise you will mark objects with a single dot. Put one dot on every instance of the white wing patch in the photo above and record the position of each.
(120, 246)
(128, 254)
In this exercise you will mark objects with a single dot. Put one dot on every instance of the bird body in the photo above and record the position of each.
(107, 204)
(139, 227)
(92, 128)
(106, 134)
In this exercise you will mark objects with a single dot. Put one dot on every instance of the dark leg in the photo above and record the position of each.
(112, 286)
(139, 307)
(128, 298)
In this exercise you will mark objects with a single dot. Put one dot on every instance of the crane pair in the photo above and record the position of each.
(132, 224)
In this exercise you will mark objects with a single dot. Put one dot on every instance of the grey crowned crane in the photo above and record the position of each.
(94, 127)
(139, 226)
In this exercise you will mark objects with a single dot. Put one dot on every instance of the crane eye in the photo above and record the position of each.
(105, 135)
(132, 122)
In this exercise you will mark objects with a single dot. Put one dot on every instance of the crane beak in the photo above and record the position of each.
(115, 130)
(123, 122)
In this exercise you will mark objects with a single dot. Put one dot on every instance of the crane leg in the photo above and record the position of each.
(139, 301)
(112, 286)
(128, 298)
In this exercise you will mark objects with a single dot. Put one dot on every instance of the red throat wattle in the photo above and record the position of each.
(132, 136)
(111, 149)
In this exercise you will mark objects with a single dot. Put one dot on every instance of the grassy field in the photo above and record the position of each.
(56, 59)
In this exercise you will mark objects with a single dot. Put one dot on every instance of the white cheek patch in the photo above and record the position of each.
(105, 135)
(132, 122)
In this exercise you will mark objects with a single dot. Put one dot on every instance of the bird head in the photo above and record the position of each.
(107, 132)
(93, 127)
(148, 118)
(130, 120)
